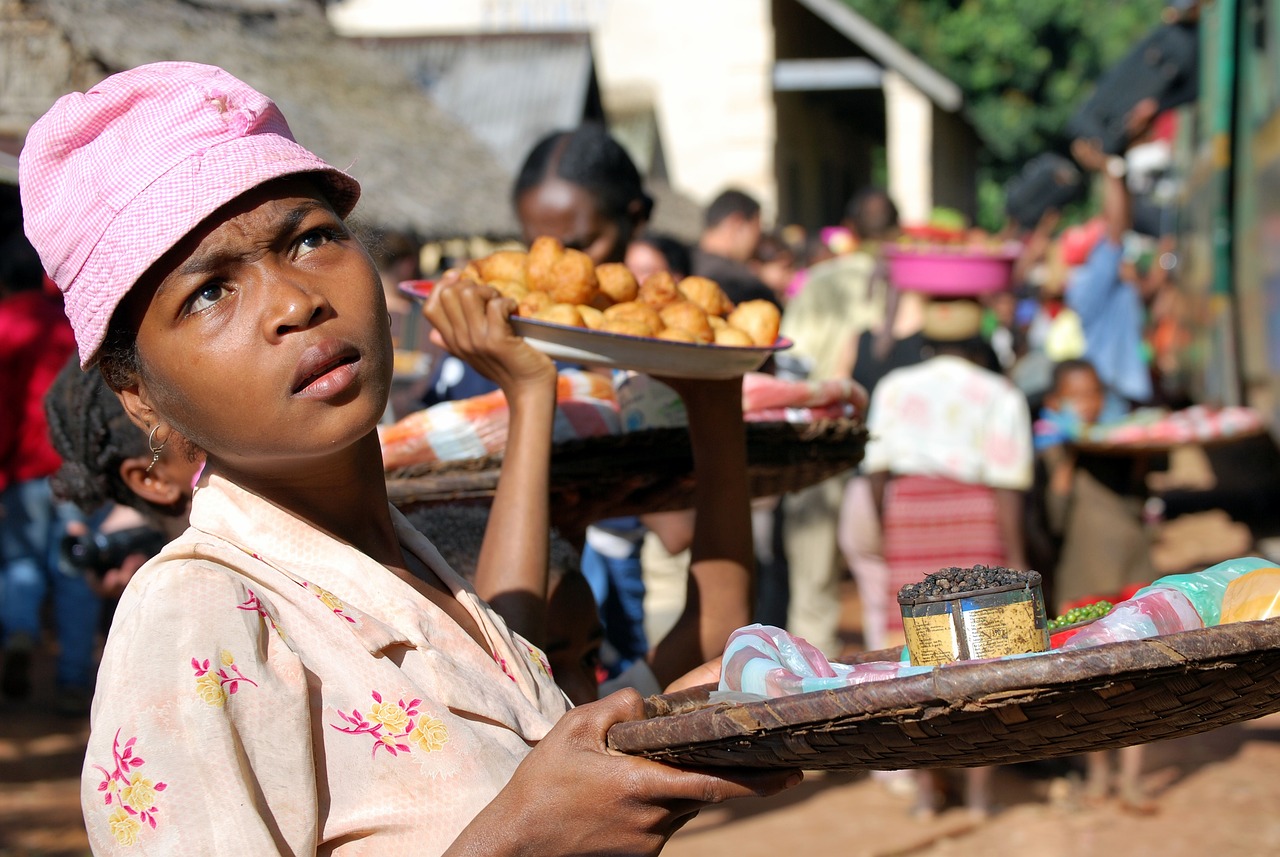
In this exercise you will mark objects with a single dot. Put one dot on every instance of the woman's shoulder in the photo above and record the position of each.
(193, 572)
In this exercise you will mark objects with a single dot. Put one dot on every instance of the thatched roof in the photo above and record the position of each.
(421, 170)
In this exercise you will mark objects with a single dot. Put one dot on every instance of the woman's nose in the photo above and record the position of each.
(294, 306)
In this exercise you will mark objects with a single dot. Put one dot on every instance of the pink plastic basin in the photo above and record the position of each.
(947, 271)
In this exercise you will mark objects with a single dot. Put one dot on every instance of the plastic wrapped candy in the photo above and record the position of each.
(764, 661)
(1178, 602)
(1255, 595)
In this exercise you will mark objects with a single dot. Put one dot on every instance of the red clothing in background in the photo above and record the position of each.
(35, 342)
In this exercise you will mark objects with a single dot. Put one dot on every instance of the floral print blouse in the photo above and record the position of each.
(267, 689)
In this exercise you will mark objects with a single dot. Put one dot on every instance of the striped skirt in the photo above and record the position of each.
(932, 523)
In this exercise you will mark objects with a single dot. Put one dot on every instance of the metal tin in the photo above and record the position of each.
(983, 623)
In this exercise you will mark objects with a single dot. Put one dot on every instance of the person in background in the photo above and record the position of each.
(1090, 505)
(843, 297)
(1105, 551)
(109, 471)
(774, 264)
(650, 252)
(582, 188)
(1112, 311)
(949, 459)
(35, 340)
(894, 343)
(731, 231)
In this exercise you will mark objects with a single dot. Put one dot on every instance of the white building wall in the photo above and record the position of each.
(704, 66)
(909, 148)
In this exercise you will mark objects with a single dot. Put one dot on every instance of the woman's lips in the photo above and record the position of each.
(326, 369)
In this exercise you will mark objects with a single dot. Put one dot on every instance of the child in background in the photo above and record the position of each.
(1090, 503)
(1104, 546)
(109, 471)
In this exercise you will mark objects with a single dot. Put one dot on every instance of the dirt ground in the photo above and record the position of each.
(1212, 794)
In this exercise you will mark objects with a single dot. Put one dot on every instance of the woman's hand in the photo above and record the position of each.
(708, 673)
(470, 320)
(571, 795)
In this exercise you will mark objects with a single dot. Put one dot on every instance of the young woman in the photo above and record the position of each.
(300, 672)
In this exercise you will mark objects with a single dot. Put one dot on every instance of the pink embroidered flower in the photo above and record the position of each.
(328, 599)
(213, 687)
(254, 605)
(502, 664)
(133, 795)
(392, 724)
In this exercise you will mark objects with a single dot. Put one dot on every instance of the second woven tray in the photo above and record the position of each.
(997, 712)
(646, 471)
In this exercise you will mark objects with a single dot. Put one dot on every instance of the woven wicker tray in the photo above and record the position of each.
(982, 713)
(646, 471)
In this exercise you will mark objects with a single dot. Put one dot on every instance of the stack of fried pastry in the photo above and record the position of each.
(563, 286)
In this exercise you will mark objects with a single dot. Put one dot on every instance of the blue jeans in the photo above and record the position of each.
(30, 532)
(618, 587)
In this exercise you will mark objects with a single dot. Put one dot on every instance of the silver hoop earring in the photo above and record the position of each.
(151, 445)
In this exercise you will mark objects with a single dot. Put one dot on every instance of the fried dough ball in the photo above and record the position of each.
(706, 294)
(688, 317)
(617, 282)
(675, 334)
(716, 322)
(626, 326)
(658, 290)
(506, 265)
(759, 319)
(638, 312)
(566, 314)
(534, 303)
(470, 272)
(510, 289)
(591, 316)
(733, 337)
(569, 276)
(601, 302)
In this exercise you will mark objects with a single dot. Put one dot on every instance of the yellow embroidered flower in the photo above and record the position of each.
(430, 734)
(140, 794)
(124, 827)
(210, 690)
(227, 658)
(390, 715)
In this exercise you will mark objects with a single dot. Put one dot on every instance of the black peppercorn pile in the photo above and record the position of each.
(954, 580)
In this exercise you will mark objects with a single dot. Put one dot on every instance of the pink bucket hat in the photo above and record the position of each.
(112, 178)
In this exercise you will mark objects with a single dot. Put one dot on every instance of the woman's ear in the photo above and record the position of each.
(136, 404)
(156, 485)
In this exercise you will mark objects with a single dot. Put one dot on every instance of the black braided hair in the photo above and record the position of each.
(587, 156)
(94, 436)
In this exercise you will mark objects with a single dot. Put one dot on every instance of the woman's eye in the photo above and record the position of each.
(315, 239)
(206, 297)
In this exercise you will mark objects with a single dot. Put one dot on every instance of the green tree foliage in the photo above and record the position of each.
(1024, 65)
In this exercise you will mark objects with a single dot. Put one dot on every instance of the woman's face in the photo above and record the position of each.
(569, 213)
(263, 336)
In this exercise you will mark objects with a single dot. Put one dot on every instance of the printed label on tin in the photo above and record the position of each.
(1009, 629)
(931, 640)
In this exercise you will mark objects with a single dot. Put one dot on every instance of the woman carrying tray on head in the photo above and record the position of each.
(949, 459)
(298, 673)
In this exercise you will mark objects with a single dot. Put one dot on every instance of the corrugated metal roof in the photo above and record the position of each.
(510, 90)
(421, 169)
